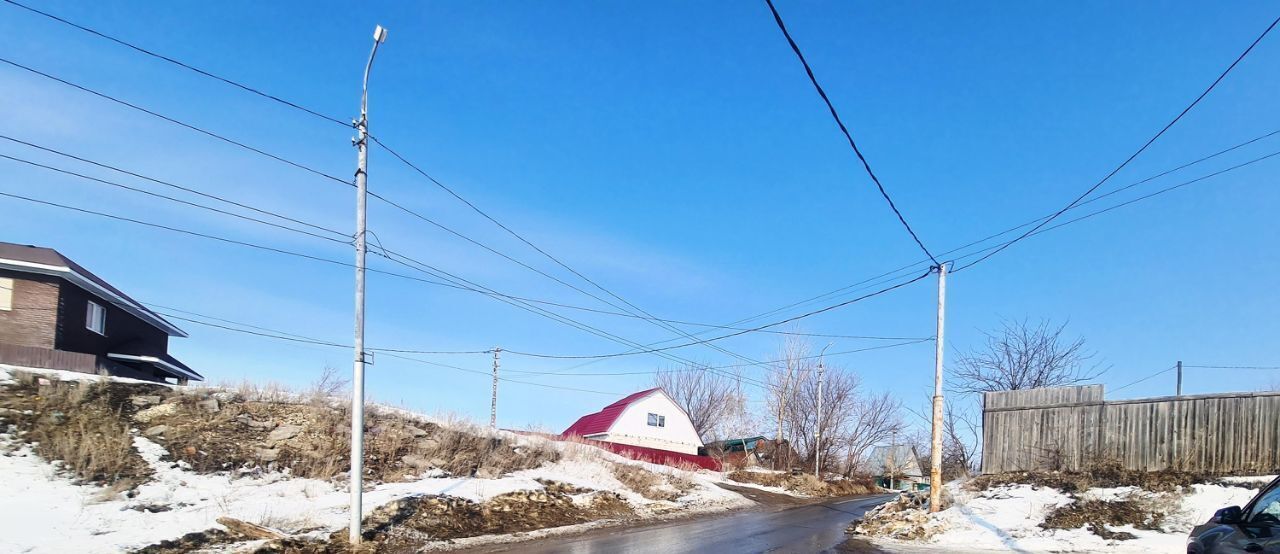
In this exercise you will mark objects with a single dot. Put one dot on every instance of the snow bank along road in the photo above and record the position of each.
(812, 528)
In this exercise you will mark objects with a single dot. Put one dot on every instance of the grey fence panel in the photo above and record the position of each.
(1072, 428)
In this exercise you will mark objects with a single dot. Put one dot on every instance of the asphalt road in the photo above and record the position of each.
(803, 529)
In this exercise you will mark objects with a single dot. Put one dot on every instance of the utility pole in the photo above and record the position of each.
(493, 404)
(1179, 377)
(357, 383)
(935, 446)
(817, 446)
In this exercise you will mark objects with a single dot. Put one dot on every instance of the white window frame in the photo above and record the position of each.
(656, 420)
(95, 318)
(6, 294)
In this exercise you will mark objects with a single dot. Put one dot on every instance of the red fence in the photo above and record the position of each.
(643, 454)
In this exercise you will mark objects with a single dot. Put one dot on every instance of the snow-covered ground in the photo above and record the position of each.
(42, 510)
(1007, 519)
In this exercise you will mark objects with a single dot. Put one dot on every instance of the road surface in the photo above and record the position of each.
(803, 529)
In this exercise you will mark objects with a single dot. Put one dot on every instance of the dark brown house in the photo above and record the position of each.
(55, 314)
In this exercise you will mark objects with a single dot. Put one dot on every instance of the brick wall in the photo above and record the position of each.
(33, 319)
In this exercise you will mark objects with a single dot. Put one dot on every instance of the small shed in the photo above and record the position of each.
(741, 452)
(896, 467)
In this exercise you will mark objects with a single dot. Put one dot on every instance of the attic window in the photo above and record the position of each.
(656, 420)
(96, 318)
(6, 294)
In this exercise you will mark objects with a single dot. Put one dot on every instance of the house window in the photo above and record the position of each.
(96, 318)
(6, 294)
(656, 420)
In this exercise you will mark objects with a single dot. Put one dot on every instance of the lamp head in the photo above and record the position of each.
(380, 34)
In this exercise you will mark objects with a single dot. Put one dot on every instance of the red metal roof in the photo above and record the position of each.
(601, 421)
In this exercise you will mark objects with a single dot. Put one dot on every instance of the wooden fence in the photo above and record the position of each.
(1072, 428)
(33, 356)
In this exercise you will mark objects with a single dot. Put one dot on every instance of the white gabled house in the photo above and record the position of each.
(648, 419)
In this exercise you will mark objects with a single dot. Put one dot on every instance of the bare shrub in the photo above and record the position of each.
(329, 386)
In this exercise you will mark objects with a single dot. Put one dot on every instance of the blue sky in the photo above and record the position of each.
(676, 154)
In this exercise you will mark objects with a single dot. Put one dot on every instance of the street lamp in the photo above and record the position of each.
(357, 382)
(817, 447)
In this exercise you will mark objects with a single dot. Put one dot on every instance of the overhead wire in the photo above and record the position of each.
(650, 317)
(909, 267)
(312, 112)
(436, 282)
(172, 199)
(866, 166)
(195, 128)
(173, 185)
(1144, 379)
(1133, 156)
(179, 63)
(280, 335)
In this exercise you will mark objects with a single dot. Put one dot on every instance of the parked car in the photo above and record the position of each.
(1254, 528)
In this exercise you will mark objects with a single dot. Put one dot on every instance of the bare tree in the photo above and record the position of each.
(876, 418)
(707, 396)
(959, 444)
(782, 382)
(961, 439)
(1023, 356)
(851, 421)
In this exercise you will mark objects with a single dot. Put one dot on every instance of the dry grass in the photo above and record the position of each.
(88, 426)
(806, 484)
(1098, 474)
(669, 485)
(651, 485)
(1097, 515)
(79, 424)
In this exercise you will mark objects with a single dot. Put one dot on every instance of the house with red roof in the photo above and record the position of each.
(647, 419)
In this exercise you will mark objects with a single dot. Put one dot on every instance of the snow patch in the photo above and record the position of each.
(1007, 518)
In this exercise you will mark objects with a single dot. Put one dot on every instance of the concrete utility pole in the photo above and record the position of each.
(817, 446)
(935, 446)
(493, 404)
(357, 383)
(1179, 377)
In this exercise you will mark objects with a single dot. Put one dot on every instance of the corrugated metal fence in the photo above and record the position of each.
(1072, 428)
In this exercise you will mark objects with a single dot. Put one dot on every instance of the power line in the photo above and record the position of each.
(647, 316)
(1231, 367)
(1140, 150)
(195, 128)
(1152, 376)
(253, 90)
(484, 290)
(728, 366)
(281, 335)
(490, 293)
(179, 63)
(171, 199)
(417, 265)
(734, 334)
(912, 265)
(340, 122)
(171, 184)
(1126, 203)
(777, 18)
(1076, 220)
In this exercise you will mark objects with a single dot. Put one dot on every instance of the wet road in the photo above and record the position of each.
(803, 529)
